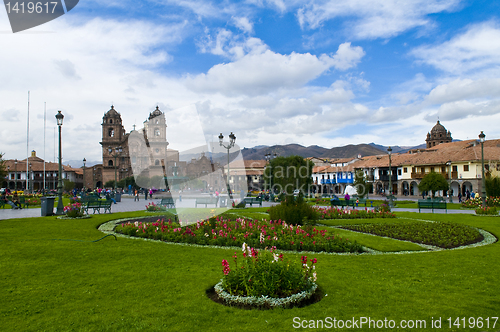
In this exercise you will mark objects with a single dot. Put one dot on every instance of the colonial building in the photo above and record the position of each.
(36, 177)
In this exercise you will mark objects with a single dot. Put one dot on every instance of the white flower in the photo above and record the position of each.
(275, 257)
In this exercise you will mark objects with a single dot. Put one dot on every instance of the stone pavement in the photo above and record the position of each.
(128, 204)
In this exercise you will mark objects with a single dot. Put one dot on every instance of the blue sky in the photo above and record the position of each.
(318, 72)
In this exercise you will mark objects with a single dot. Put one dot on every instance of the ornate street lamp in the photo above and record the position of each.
(389, 150)
(269, 157)
(84, 183)
(232, 139)
(8, 176)
(118, 150)
(60, 205)
(483, 189)
(15, 174)
(448, 163)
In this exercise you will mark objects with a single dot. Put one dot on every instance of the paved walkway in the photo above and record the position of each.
(128, 204)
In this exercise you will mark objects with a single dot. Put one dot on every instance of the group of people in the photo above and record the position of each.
(146, 192)
(15, 203)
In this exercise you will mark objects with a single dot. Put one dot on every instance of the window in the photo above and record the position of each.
(110, 163)
(405, 169)
(157, 150)
(111, 132)
(443, 169)
(157, 162)
(110, 120)
(432, 169)
(157, 132)
(422, 169)
(455, 168)
(466, 168)
(399, 171)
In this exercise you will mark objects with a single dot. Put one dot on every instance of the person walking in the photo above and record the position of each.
(347, 198)
(136, 195)
(145, 194)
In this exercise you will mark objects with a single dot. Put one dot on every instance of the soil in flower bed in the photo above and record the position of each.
(316, 297)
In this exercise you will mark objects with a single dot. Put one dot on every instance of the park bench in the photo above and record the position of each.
(89, 198)
(168, 202)
(253, 200)
(206, 200)
(428, 204)
(340, 202)
(97, 205)
(359, 201)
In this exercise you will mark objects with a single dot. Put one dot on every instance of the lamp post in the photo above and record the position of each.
(448, 163)
(15, 174)
(93, 179)
(269, 157)
(30, 175)
(232, 139)
(84, 161)
(118, 151)
(8, 176)
(483, 185)
(60, 205)
(389, 150)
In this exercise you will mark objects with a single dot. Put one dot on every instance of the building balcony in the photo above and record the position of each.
(386, 178)
(419, 175)
(345, 181)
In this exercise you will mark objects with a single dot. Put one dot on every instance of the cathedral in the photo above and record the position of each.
(144, 154)
(437, 136)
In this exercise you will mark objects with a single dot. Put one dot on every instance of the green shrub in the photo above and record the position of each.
(337, 213)
(267, 273)
(74, 210)
(293, 210)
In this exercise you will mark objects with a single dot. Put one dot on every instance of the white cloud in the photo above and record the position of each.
(477, 48)
(347, 57)
(373, 19)
(229, 45)
(263, 72)
(243, 23)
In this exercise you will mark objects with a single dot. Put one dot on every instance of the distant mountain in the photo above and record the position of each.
(347, 151)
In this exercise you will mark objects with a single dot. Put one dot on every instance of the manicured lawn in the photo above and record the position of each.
(51, 282)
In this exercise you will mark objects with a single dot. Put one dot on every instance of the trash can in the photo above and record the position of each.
(223, 201)
(47, 206)
(118, 197)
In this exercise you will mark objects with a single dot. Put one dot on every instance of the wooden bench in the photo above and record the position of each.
(253, 200)
(168, 202)
(97, 205)
(207, 200)
(425, 204)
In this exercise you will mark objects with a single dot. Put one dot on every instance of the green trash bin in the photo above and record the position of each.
(47, 206)
(223, 201)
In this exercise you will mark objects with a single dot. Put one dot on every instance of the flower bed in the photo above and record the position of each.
(477, 202)
(74, 210)
(258, 234)
(487, 211)
(337, 213)
(152, 207)
(265, 279)
(439, 234)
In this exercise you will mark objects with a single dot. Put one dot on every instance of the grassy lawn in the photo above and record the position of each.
(54, 279)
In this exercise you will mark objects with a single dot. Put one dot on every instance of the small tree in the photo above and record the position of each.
(109, 184)
(362, 187)
(68, 185)
(3, 171)
(433, 182)
(289, 173)
(492, 185)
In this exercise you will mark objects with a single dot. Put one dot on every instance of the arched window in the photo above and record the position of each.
(111, 132)
(110, 120)
(156, 122)
(110, 163)
(157, 162)
(157, 132)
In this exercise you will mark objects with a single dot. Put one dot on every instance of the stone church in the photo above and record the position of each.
(143, 153)
(437, 136)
